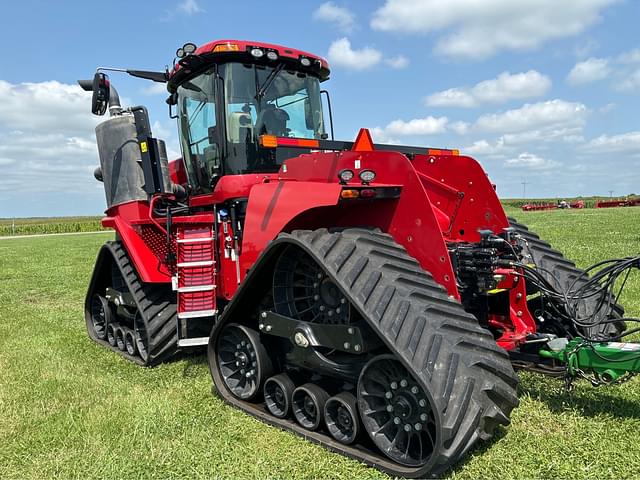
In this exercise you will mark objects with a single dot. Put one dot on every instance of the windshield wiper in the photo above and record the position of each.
(268, 82)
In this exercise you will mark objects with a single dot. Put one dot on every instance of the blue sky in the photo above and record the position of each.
(542, 91)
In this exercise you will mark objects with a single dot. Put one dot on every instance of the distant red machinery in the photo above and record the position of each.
(528, 207)
(618, 203)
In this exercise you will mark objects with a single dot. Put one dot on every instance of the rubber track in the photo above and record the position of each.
(156, 304)
(548, 259)
(469, 376)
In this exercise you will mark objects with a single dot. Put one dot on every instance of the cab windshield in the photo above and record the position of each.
(251, 100)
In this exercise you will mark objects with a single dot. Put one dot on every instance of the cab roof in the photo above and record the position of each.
(219, 51)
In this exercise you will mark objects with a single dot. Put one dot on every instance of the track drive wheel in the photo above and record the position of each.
(244, 362)
(396, 412)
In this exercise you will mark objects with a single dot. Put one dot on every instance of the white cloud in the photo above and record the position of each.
(46, 107)
(591, 70)
(341, 17)
(461, 128)
(622, 143)
(552, 113)
(397, 62)
(452, 97)
(632, 56)
(156, 88)
(483, 147)
(472, 29)
(190, 7)
(416, 127)
(530, 161)
(629, 82)
(503, 88)
(47, 139)
(342, 55)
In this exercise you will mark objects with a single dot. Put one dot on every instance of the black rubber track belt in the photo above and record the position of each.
(156, 304)
(470, 378)
(552, 263)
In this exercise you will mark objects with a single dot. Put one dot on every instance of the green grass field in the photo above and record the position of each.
(71, 409)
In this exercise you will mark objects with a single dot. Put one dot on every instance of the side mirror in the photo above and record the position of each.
(101, 94)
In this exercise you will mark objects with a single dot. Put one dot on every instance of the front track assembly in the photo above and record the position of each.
(416, 385)
(135, 319)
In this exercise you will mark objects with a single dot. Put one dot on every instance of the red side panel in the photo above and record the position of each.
(459, 186)
(272, 206)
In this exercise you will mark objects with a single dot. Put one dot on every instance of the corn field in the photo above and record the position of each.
(34, 226)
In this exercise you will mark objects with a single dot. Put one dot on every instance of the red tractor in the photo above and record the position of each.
(372, 298)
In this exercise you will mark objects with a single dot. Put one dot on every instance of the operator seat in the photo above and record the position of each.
(273, 121)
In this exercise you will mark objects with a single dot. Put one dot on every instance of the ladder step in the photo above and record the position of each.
(195, 240)
(203, 263)
(193, 342)
(197, 314)
(196, 288)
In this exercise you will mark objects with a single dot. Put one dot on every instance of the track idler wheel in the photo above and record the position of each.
(243, 360)
(278, 391)
(396, 413)
(130, 341)
(111, 333)
(101, 315)
(341, 417)
(308, 403)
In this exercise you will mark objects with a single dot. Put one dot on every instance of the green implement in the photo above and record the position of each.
(609, 362)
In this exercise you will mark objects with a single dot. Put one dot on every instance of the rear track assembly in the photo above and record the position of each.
(454, 385)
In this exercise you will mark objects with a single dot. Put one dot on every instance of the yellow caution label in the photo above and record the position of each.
(143, 147)
(496, 290)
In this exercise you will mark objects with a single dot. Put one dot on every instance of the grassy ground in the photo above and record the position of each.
(71, 409)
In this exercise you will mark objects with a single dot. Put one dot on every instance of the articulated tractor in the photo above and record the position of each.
(372, 298)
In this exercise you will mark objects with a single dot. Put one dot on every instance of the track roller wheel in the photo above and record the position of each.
(119, 334)
(100, 315)
(308, 403)
(111, 333)
(396, 413)
(130, 341)
(140, 336)
(341, 417)
(244, 363)
(278, 391)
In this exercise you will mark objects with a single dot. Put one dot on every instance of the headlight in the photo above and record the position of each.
(367, 176)
(305, 62)
(272, 55)
(345, 175)
(257, 52)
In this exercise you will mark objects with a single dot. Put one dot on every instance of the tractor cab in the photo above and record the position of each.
(234, 98)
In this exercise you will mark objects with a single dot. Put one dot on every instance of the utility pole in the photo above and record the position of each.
(524, 188)
(610, 193)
